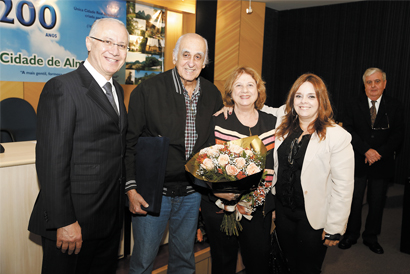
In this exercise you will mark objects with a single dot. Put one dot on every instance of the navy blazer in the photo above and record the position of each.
(79, 157)
(385, 138)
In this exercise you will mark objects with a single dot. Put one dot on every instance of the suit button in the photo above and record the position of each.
(372, 136)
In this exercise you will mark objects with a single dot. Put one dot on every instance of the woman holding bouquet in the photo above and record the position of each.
(314, 163)
(245, 91)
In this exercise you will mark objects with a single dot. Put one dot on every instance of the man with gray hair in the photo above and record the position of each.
(376, 123)
(81, 128)
(177, 104)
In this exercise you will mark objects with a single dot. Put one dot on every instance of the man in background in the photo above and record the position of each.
(177, 104)
(82, 123)
(376, 123)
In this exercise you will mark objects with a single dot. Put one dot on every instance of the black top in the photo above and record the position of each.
(290, 156)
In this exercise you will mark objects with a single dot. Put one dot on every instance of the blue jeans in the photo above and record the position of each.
(182, 214)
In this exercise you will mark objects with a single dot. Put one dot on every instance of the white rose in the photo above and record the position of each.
(212, 152)
(223, 160)
(207, 164)
(235, 148)
(240, 162)
(252, 169)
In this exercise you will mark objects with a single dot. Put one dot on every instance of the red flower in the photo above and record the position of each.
(220, 171)
(241, 175)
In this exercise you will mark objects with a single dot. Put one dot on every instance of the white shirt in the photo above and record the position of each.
(101, 81)
(377, 104)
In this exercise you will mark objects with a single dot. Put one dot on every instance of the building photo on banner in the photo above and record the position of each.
(44, 38)
(147, 40)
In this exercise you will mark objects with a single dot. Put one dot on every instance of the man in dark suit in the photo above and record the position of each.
(82, 123)
(376, 123)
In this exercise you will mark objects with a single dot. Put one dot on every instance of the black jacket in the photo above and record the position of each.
(156, 109)
(385, 138)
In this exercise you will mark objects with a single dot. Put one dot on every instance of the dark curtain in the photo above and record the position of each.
(206, 27)
(338, 43)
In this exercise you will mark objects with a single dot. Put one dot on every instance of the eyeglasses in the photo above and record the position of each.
(110, 44)
(384, 128)
(293, 150)
(376, 82)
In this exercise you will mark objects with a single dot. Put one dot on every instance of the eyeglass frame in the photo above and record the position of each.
(110, 44)
(384, 128)
(290, 156)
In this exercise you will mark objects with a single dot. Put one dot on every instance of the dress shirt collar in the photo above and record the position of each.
(96, 75)
(377, 104)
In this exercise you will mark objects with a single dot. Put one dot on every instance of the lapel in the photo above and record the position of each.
(381, 112)
(123, 110)
(365, 110)
(96, 94)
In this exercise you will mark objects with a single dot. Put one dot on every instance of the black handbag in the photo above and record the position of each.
(151, 155)
(277, 262)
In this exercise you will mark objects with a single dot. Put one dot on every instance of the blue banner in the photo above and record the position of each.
(41, 39)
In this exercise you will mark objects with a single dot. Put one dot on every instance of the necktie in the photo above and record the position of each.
(373, 112)
(108, 91)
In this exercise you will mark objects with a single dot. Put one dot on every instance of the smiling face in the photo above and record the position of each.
(244, 91)
(306, 103)
(374, 85)
(191, 56)
(107, 60)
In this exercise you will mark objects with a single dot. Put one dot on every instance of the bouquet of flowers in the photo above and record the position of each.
(235, 167)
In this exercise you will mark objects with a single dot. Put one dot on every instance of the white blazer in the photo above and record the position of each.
(327, 176)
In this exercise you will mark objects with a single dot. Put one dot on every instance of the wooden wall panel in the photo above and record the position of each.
(251, 39)
(188, 23)
(176, 5)
(239, 38)
(32, 91)
(11, 89)
(227, 38)
(173, 32)
(127, 92)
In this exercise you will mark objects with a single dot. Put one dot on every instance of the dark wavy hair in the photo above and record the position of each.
(324, 114)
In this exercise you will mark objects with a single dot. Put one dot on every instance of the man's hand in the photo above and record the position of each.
(70, 237)
(327, 242)
(136, 201)
(372, 156)
(225, 111)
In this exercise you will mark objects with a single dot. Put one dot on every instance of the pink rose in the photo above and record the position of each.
(207, 164)
(212, 152)
(235, 148)
(231, 170)
(249, 153)
(240, 162)
(252, 169)
(218, 147)
(223, 160)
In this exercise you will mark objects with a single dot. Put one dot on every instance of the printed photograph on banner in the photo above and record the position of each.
(47, 38)
(147, 40)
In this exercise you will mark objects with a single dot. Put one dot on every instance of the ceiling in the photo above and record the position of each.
(297, 4)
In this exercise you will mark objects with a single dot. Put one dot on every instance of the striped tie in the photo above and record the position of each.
(373, 112)
(108, 91)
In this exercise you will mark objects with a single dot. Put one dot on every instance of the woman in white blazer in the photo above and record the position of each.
(314, 169)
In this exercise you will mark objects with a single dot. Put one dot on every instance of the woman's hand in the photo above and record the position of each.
(225, 111)
(327, 242)
(227, 196)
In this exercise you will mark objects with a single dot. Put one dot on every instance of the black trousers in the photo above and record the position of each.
(95, 257)
(253, 241)
(376, 198)
(301, 244)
